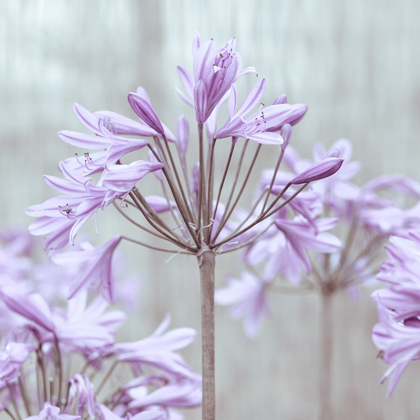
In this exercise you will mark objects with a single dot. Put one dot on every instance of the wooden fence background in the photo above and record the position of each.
(356, 63)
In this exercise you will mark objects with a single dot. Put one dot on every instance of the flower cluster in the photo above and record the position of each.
(60, 359)
(187, 214)
(397, 335)
(297, 246)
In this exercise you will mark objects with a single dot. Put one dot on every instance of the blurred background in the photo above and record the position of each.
(354, 63)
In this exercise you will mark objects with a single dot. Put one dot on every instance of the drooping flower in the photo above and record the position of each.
(95, 267)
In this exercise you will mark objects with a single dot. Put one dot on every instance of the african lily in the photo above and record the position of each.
(397, 334)
(59, 359)
(194, 220)
(300, 249)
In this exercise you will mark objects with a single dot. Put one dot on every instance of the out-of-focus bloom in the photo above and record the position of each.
(397, 335)
(50, 412)
(152, 414)
(158, 350)
(97, 267)
(12, 358)
(247, 297)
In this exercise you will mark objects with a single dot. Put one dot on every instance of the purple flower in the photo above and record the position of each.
(183, 393)
(397, 335)
(63, 216)
(158, 350)
(152, 414)
(50, 412)
(12, 358)
(215, 70)
(123, 178)
(284, 247)
(81, 391)
(255, 126)
(247, 296)
(95, 267)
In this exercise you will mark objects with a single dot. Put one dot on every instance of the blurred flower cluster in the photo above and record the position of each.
(59, 359)
(397, 335)
(328, 239)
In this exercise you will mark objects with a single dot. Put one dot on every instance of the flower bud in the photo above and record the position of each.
(146, 112)
(282, 99)
(320, 170)
(298, 112)
(200, 101)
(286, 133)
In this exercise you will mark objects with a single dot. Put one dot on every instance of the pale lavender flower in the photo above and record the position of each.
(50, 412)
(243, 122)
(81, 390)
(95, 268)
(247, 298)
(215, 70)
(12, 358)
(397, 335)
(183, 393)
(157, 350)
(152, 414)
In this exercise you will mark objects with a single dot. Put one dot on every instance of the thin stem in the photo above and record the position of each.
(202, 187)
(206, 263)
(235, 203)
(251, 212)
(277, 198)
(154, 225)
(210, 190)
(42, 368)
(273, 179)
(171, 210)
(178, 180)
(135, 223)
(232, 191)
(155, 248)
(325, 356)
(177, 199)
(24, 396)
(106, 377)
(59, 368)
(349, 241)
(259, 219)
(249, 242)
(232, 147)
(13, 399)
(265, 215)
(9, 413)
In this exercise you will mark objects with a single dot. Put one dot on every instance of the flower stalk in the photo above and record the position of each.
(206, 263)
(325, 356)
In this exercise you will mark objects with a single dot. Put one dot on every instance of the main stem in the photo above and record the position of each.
(206, 263)
(325, 357)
